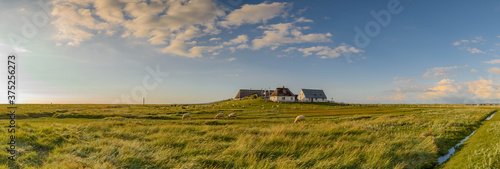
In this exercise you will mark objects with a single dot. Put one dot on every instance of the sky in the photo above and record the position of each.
(198, 51)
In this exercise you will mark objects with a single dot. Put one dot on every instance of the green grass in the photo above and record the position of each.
(154, 136)
(482, 150)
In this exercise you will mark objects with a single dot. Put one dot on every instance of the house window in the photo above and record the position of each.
(283, 98)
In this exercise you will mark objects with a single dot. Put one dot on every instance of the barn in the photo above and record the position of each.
(312, 95)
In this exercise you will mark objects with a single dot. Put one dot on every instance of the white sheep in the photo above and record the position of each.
(232, 115)
(220, 115)
(300, 118)
(186, 116)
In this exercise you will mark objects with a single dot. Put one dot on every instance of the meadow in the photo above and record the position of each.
(482, 150)
(263, 135)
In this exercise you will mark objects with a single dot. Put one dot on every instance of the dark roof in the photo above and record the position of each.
(247, 93)
(282, 92)
(314, 93)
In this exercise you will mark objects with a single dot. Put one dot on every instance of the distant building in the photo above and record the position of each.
(249, 92)
(282, 95)
(312, 95)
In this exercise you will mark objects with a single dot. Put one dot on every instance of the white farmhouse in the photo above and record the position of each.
(282, 95)
(312, 95)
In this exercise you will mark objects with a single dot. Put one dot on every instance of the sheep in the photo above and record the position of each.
(220, 115)
(278, 106)
(232, 115)
(300, 118)
(243, 106)
(186, 116)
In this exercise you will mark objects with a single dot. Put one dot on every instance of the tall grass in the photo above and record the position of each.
(482, 150)
(119, 136)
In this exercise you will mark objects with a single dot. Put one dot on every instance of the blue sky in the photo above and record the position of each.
(192, 51)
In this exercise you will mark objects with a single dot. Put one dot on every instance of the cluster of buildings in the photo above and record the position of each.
(284, 95)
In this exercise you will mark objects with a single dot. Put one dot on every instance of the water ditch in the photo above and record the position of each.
(452, 150)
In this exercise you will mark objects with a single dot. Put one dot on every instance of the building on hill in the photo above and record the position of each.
(249, 92)
(282, 95)
(312, 95)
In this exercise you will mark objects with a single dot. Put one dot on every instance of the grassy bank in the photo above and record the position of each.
(264, 135)
(482, 150)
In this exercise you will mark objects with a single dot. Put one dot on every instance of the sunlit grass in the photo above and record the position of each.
(154, 136)
(482, 150)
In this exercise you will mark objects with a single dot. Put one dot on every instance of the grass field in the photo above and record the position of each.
(482, 150)
(263, 136)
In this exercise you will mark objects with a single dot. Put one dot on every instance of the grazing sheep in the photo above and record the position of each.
(232, 115)
(220, 115)
(300, 118)
(186, 116)
(243, 106)
(278, 106)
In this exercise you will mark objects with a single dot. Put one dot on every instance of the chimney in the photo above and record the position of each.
(283, 87)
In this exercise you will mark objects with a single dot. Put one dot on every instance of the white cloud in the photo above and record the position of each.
(327, 52)
(178, 25)
(74, 24)
(464, 41)
(242, 46)
(289, 49)
(474, 50)
(253, 14)
(494, 70)
(109, 10)
(286, 33)
(110, 32)
(238, 40)
(231, 59)
(443, 88)
(465, 45)
(473, 70)
(494, 61)
(302, 19)
(450, 91)
(440, 72)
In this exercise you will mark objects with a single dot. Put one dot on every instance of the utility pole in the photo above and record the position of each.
(143, 101)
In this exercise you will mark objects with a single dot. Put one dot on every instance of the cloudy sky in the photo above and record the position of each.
(193, 51)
